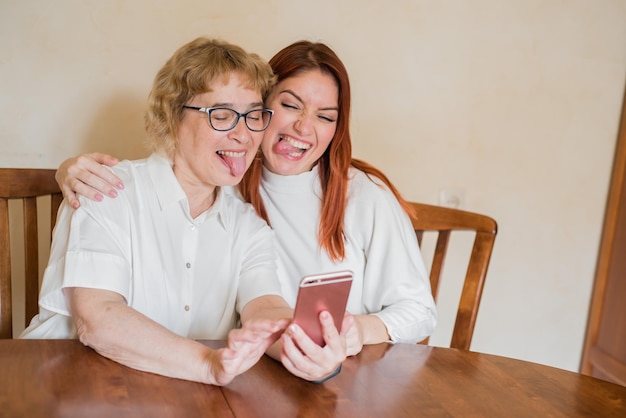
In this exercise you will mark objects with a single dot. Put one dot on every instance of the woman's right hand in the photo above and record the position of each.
(86, 176)
(246, 345)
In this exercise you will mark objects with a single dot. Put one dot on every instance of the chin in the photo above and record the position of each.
(288, 168)
(232, 181)
(227, 179)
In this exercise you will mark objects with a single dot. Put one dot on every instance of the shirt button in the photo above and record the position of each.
(188, 265)
(192, 227)
(187, 307)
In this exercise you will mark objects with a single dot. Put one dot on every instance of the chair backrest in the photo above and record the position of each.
(442, 221)
(24, 185)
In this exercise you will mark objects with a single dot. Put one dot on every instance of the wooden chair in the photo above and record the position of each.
(24, 185)
(442, 221)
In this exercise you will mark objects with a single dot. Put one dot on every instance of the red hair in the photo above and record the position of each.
(334, 164)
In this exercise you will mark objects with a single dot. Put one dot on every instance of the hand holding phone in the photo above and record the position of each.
(322, 292)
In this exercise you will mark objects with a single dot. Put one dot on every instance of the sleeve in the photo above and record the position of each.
(90, 249)
(258, 274)
(395, 283)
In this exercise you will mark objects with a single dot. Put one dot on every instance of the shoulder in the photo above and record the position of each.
(370, 200)
(364, 188)
(373, 209)
(130, 172)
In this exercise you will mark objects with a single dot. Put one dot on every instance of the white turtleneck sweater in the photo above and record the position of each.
(390, 279)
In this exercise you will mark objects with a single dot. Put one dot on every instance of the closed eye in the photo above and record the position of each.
(289, 106)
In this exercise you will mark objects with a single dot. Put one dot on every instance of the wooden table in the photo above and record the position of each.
(62, 378)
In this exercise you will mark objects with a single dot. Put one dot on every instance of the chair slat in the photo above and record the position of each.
(439, 258)
(31, 258)
(6, 301)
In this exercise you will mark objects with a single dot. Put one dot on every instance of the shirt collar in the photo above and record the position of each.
(296, 184)
(167, 187)
(169, 191)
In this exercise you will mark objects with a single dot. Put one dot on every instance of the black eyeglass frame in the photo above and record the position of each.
(209, 110)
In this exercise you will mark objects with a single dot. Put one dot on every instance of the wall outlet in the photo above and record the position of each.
(452, 198)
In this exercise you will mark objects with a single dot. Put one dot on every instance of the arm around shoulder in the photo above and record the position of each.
(86, 175)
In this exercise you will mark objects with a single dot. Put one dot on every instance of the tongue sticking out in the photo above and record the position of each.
(291, 147)
(284, 147)
(237, 165)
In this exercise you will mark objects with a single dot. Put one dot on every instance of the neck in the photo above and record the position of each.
(200, 202)
(200, 195)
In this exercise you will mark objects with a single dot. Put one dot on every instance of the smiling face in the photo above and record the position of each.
(206, 158)
(306, 108)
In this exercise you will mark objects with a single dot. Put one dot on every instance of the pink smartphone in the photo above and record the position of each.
(322, 292)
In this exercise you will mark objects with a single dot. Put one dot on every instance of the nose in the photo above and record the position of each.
(304, 124)
(240, 132)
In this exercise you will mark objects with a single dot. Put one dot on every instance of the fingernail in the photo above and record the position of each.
(113, 193)
(120, 186)
(325, 315)
(99, 198)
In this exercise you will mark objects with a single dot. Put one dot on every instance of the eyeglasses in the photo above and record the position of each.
(225, 119)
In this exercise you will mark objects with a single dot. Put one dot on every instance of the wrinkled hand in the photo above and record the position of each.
(86, 176)
(245, 347)
(307, 360)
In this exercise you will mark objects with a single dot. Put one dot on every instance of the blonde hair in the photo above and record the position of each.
(190, 71)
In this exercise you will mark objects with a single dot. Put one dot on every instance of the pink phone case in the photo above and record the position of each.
(322, 292)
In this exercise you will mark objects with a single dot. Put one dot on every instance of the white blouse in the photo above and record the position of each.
(192, 276)
(390, 278)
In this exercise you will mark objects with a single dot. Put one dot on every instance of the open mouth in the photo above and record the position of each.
(235, 160)
(292, 147)
(231, 154)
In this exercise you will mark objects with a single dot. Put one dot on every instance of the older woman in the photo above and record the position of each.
(174, 259)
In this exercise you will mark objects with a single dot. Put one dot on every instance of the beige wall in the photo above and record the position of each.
(511, 104)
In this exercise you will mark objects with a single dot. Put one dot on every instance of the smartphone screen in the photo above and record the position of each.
(322, 292)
